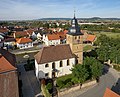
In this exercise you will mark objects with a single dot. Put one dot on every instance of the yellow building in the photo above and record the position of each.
(75, 39)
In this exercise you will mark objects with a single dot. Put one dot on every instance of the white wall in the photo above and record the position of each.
(41, 69)
(26, 45)
(50, 42)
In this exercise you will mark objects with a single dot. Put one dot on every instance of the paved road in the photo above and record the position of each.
(30, 85)
(108, 80)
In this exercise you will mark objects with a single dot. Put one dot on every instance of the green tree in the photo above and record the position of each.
(80, 74)
(96, 69)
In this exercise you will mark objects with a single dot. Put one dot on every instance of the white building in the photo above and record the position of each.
(54, 58)
(23, 43)
(51, 39)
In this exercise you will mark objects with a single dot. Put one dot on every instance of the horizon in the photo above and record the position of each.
(32, 10)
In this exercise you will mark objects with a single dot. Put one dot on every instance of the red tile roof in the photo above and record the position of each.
(2, 30)
(90, 38)
(65, 31)
(30, 31)
(8, 56)
(54, 53)
(21, 34)
(110, 93)
(53, 36)
(23, 40)
(7, 61)
(5, 65)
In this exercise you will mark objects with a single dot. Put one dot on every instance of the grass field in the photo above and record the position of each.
(109, 34)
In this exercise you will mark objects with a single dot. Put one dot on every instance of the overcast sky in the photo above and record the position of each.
(35, 9)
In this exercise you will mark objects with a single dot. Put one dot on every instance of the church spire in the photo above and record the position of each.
(74, 12)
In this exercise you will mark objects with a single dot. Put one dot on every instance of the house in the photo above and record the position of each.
(88, 38)
(8, 75)
(51, 39)
(20, 34)
(4, 30)
(91, 38)
(9, 42)
(23, 43)
(110, 93)
(57, 58)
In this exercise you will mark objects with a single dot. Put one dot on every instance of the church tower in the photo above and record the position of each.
(75, 39)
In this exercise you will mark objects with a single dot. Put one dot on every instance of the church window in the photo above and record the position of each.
(61, 65)
(46, 74)
(68, 62)
(46, 65)
(75, 37)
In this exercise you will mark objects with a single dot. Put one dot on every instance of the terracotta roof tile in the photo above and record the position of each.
(54, 53)
(65, 31)
(23, 40)
(2, 30)
(110, 93)
(8, 56)
(5, 65)
(53, 36)
(7, 61)
(30, 31)
(91, 38)
(21, 34)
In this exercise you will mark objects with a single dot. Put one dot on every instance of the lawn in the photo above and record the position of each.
(109, 34)
(87, 48)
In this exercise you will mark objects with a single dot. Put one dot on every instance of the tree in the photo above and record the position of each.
(96, 69)
(93, 66)
(80, 74)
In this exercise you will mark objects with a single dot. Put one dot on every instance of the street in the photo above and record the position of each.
(110, 79)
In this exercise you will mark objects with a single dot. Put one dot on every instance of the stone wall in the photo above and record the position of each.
(66, 91)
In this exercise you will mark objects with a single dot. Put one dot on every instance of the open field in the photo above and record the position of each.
(109, 34)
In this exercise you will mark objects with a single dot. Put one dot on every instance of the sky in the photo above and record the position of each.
(36, 9)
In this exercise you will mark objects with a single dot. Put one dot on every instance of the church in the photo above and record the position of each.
(59, 59)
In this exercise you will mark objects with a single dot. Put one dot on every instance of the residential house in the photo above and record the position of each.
(23, 43)
(51, 39)
(4, 30)
(88, 38)
(110, 93)
(9, 42)
(20, 34)
(54, 61)
(8, 75)
(91, 38)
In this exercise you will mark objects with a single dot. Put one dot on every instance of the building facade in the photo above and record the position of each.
(51, 39)
(75, 39)
(57, 58)
(24, 43)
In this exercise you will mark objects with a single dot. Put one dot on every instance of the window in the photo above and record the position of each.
(46, 74)
(68, 62)
(46, 65)
(75, 37)
(53, 65)
(61, 65)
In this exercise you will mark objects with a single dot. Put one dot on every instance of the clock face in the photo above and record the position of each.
(73, 30)
(73, 21)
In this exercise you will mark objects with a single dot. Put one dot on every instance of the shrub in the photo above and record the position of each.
(49, 86)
